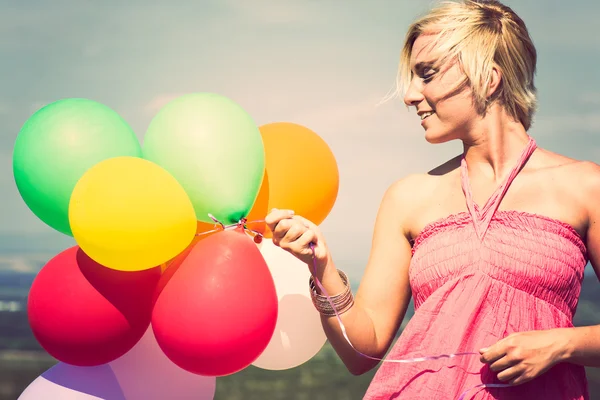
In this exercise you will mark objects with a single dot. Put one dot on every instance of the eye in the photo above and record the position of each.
(428, 75)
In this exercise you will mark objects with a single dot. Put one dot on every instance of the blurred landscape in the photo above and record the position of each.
(324, 377)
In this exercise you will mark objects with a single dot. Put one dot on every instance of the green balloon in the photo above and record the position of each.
(57, 145)
(214, 149)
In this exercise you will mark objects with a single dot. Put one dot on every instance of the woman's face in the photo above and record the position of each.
(445, 108)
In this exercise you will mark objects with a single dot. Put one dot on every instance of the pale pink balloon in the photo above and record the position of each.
(299, 335)
(67, 382)
(146, 373)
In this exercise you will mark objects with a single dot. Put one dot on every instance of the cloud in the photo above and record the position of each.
(20, 264)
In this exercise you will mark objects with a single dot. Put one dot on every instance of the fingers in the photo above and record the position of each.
(303, 241)
(291, 232)
(503, 363)
(288, 231)
(511, 375)
(276, 216)
(492, 354)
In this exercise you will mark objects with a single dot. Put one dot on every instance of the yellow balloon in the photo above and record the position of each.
(130, 214)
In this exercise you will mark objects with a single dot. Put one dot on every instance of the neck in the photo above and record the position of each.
(496, 146)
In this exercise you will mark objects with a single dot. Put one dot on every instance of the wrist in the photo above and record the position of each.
(322, 267)
(335, 302)
(566, 343)
(330, 278)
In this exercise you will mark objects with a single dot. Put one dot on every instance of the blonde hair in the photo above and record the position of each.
(480, 35)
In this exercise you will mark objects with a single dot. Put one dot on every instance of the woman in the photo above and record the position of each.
(492, 244)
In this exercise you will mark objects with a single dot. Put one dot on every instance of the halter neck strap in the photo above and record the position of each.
(483, 217)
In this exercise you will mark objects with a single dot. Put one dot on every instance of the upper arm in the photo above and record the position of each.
(384, 292)
(592, 199)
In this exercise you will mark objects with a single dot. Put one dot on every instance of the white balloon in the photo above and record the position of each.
(298, 335)
(146, 373)
(68, 382)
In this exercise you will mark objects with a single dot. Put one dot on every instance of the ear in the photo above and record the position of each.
(495, 80)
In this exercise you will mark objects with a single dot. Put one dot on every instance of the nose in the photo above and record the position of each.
(413, 94)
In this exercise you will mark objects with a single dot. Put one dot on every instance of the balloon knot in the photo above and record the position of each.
(258, 237)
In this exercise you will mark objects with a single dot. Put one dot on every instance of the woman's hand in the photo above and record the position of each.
(521, 357)
(294, 234)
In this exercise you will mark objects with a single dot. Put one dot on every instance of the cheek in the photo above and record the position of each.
(431, 97)
(436, 95)
(458, 107)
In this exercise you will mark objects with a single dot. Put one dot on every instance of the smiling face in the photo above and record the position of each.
(463, 59)
(441, 97)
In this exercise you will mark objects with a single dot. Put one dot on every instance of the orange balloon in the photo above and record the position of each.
(302, 173)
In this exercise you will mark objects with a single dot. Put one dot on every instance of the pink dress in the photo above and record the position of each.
(477, 277)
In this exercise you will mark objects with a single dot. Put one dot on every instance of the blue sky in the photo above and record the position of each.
(323, 64)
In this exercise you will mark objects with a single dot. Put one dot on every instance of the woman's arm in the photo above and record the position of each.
(384, 292)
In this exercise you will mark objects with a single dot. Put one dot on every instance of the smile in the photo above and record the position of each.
(427, 114)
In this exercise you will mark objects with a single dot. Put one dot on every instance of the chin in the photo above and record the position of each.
(433, 138)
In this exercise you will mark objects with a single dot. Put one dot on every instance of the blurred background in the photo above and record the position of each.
(322, 64)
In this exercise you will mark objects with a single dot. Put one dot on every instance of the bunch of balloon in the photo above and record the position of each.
(165, 253)
(301, 174)
(77, 165)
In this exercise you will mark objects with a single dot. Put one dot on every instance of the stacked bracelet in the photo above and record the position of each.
(342, 301)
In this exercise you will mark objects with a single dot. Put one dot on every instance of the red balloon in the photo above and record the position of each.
(85, 314)
(217, 313)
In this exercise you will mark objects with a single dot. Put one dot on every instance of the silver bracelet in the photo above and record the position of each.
(342, 302)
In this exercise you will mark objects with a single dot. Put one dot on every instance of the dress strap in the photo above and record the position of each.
(483, 217)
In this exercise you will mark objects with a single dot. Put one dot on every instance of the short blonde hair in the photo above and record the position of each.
(480, 35)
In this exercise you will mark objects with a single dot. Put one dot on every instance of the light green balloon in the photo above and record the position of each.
(57, 145)
(214, 149)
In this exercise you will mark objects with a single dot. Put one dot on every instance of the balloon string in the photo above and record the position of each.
(242, 223)
(406, 361)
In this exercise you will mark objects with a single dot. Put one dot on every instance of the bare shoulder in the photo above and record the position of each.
(409, 196)
(577, 180)
(586, 175)
(410, 189)
(585, 183)
(581, 174)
